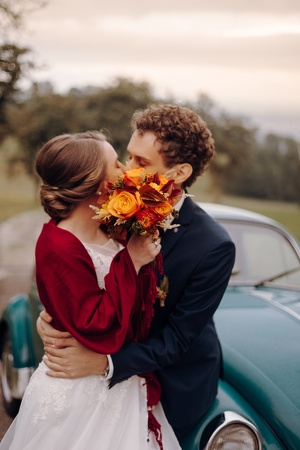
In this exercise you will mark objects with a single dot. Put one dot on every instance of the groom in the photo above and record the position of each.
(183, 346)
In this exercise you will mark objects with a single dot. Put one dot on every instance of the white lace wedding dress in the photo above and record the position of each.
(84, 414)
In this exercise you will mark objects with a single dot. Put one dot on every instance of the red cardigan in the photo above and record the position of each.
(67, 284)
(100, 319)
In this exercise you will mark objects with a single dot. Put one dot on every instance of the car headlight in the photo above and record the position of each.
(233, 432)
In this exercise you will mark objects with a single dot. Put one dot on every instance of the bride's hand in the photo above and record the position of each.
(143, 249)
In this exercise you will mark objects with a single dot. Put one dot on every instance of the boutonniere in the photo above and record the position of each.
(162, 290)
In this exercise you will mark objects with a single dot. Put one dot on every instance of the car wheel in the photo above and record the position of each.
(9, 378)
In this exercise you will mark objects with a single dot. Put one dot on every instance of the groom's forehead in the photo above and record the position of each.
(144, 146)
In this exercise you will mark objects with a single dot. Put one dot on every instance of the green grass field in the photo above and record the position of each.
(19, 194)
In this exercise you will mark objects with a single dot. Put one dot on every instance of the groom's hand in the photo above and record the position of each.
(66, 357)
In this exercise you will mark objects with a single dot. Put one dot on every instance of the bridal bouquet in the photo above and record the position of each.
(137, 202)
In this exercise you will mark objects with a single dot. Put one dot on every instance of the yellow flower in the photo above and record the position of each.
(123, 204)
(164, 209)
(155, 186)
(135, 177)
(159, 182)
(163, 290)
(163, 180)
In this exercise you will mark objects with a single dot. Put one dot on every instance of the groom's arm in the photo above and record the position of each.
(66, 357)
(191, 314)
(193, 311)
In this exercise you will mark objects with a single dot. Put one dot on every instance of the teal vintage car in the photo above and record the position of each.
(258, 323)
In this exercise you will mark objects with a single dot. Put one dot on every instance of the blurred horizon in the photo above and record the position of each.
(244, 57)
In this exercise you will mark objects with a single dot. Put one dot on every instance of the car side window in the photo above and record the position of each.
(263, 253)
(267, 252)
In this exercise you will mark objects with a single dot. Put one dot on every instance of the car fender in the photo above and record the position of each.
(16, 320)
(229, 400)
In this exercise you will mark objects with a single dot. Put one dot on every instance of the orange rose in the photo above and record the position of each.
(164, 209)
(123, 204)
(135, 177)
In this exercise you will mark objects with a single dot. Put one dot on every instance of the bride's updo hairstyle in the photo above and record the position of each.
(71, 167)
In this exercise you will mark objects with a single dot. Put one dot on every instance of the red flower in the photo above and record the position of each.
(148, 218)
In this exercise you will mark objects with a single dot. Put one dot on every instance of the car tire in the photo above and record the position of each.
(11, 404)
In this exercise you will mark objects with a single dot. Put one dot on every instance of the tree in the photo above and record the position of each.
(37, 119)
(13, 13)
(44, 114)
(243, 165)
(15, 61)
(273, 171)
(112, 108)
(234, 142)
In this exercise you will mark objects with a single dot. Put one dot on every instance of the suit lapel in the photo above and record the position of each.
(171, 237)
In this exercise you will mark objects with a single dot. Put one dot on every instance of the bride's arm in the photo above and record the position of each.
(67, 358)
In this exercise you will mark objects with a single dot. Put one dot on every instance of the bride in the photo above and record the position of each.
(100, 292)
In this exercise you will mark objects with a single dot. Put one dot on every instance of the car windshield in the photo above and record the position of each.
(263, 255)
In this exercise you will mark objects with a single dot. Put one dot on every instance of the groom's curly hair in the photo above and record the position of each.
(184, 136)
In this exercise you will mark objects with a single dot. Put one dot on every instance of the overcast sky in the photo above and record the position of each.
(246, 58)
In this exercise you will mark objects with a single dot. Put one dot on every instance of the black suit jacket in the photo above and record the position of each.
(183, 347)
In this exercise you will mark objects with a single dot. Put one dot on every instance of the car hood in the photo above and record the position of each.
(259, 331)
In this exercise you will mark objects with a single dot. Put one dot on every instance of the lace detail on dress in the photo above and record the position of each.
(98, 392)
(102, 264)
(55, 398)
(115, 407)
(102, 257)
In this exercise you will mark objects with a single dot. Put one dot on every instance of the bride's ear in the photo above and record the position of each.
(103, 187)
(182, 173)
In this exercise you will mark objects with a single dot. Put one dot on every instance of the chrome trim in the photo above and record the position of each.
(14, 381)
(264, 296)
(230, 417)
